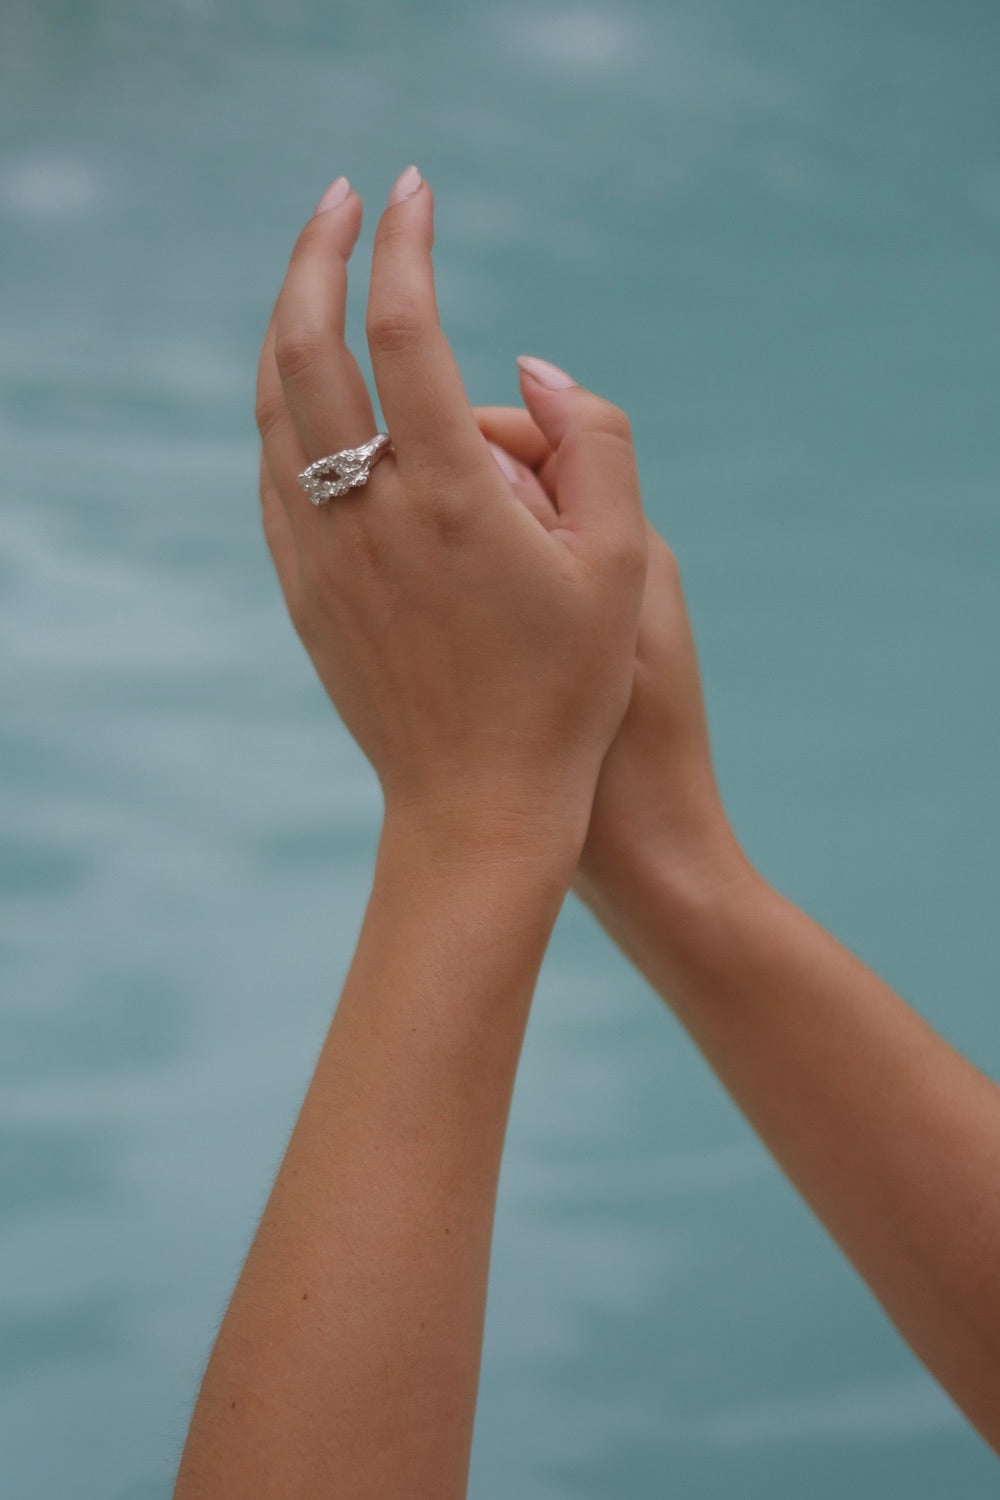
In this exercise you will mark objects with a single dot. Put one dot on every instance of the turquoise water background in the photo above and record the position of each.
(772, 232)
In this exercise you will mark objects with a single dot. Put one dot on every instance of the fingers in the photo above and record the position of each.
(312, 398)
(526, 486)
(323, 387)
(597, 486)
(286, 456)
(282, 451)
(512, 428)
(426, 409)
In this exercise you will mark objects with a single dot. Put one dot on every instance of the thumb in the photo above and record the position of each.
(596, 482)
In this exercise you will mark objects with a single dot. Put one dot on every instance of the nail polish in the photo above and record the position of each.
(406, 184)
(336, 194)
(545, 373)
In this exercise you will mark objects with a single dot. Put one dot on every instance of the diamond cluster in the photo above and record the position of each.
(339, 472)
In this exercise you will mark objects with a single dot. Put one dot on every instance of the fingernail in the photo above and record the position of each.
(548, 375)
(406, 184)
(334, 196)
(507, 465)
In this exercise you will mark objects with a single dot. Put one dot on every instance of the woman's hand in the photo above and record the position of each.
(657, 789)
(891, 1137)
(482, 660)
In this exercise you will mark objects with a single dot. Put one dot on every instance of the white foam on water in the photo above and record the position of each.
(583, 39)
(52, 188)
(905, 1406)
(496, 218)
(195, 367)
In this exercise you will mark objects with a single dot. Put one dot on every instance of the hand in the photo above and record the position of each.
(482, 660)
(657, 788)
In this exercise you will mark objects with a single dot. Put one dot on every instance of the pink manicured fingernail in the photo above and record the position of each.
(334, 196)
(406, 184)
(548, 375)
(507, 465)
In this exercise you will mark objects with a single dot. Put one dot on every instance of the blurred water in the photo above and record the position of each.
(772, 233)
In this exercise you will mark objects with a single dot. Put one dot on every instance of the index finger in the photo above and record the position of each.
(513, 428)
(426, 409)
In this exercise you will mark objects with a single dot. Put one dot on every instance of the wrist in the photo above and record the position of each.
(639, 824)
(486, 859)
(676, 884)
(472, 829)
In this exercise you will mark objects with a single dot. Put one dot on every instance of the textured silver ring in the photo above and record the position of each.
(347, 470)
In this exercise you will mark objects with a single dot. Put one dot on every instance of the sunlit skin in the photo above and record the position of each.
(890, 1135)
(507, 641)
(484, 662)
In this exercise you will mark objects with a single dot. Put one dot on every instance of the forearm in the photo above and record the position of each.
(893, 1137)
(348, 1361)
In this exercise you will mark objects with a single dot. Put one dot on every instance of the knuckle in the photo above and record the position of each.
(612, 421)
(446, 516)
(627, 558)
(394, 330)
(297, 350)
(670, 565)
(267, 412)
(610, 452)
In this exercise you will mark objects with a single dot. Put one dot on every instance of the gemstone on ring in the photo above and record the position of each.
(347, 470)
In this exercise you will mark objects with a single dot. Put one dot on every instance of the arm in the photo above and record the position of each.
(890, 1135)
(348, 1361)
(483, 661)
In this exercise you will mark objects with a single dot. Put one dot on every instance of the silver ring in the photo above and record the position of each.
(347, 470)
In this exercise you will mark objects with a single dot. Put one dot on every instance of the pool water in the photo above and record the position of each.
(772, 232)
